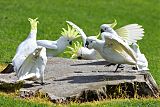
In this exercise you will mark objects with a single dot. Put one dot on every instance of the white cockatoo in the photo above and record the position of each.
(26, 47)
(53, 48)
(141, 59)
(79, 51)
(34, 65)
(129, 33)
(113, 49)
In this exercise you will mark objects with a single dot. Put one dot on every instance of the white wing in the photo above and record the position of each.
(131, 33)
(47, 44)
(141, 59)
(119, 46)
(34, 65)
(79, 30)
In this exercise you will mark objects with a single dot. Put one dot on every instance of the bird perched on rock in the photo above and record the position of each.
(130, 33)
(26, 47)
(141, 59)
(113, 49)
(56, 47)
(33, 66)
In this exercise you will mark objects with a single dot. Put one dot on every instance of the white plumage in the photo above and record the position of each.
(82, 52)
(26, 47)
(129, 33)
(56, 47)
(34, 65)
(141, 59)
(112, 49)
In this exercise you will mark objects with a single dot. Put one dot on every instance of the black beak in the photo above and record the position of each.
(70, 42)
(87, 43)
(79, 57)
(102, 30)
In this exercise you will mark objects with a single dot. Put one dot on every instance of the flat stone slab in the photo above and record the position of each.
(70, 79)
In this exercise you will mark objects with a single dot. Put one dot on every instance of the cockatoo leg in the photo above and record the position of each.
(117, 67)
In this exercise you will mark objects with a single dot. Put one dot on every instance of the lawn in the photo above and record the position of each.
(88, 14)
(7, 101)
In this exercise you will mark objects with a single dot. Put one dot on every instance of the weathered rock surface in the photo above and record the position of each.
(88, 80)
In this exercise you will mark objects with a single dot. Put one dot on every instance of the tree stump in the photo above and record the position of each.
(88, 80)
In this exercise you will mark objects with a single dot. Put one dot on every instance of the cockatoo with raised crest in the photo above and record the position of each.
(56, 47)
(130, 33)
(26, 47)
(79, 51)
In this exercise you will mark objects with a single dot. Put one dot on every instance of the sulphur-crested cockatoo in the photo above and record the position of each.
(26, 47)
(113, 49)
(141, 59)
(56, 47)
(79, 51)
(129, 33)
(33, 66)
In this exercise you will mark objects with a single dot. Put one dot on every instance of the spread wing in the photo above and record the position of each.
(31, 67)
(79, 30)
(120, 46)
(131, 33)
(47, 44)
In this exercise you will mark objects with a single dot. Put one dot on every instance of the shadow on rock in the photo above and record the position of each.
(95, 78)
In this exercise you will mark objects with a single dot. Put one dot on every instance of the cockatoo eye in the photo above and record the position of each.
(91, 41)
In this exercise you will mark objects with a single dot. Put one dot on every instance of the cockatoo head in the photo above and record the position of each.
(90, 41)
(69, 35)
(108, 27)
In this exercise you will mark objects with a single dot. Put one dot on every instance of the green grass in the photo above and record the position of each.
(7, 101)
(89, 15)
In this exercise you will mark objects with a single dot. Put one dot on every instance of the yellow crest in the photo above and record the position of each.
(74, 50)
(71, 33)
(33, 23)
(113, 24)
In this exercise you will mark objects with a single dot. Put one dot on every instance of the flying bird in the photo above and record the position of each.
(34, 65)
(26, 47)
(53, 48)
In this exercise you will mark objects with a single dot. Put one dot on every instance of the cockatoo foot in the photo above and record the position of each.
(117, 68)
(134, 68)
(109, 65)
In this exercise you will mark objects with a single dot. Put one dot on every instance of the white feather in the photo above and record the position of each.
(141, 59)
(26, 47)
(34, 65)
(131, 33)
(83, 35)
